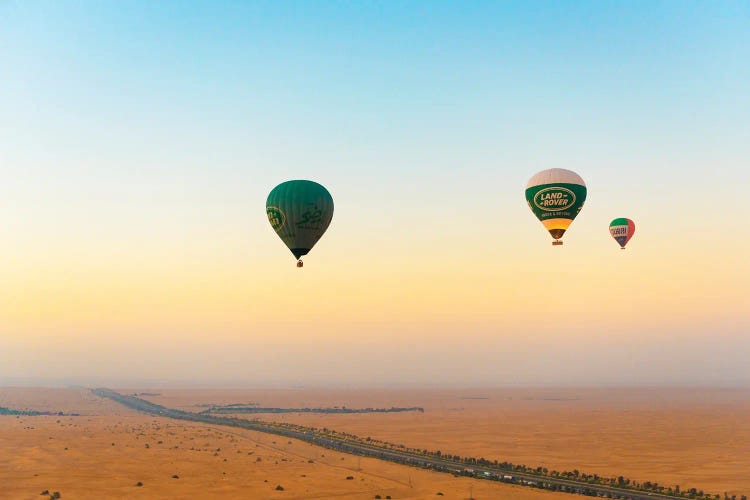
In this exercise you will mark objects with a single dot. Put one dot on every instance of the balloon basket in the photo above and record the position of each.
(556, 243)
(300, 263)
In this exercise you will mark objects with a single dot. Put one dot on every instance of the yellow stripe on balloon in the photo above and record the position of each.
(551, 224)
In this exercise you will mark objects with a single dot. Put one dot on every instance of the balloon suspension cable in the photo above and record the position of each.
(300, 263)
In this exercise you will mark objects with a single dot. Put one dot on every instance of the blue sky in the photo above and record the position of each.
(138, 138)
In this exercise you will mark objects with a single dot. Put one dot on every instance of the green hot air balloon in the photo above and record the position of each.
(300, 212)
(556, 196)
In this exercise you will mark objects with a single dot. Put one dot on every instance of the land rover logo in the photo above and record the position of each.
(276, 217)
(554, 199)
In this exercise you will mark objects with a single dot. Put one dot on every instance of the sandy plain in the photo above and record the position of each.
(693, 437)
(107, 450)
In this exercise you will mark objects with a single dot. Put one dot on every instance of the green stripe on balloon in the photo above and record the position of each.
(558, 201)
(622, 221)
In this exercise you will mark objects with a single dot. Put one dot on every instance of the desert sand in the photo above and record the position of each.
(107, 450)
(691, 437)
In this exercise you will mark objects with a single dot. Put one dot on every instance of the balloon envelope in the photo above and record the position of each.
(300, 212)
(556, 196)
(622, 230)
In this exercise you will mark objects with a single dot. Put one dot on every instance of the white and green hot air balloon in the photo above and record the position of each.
(556, 196)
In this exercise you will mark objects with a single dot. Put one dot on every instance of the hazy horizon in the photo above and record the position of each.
(138, 143)
(250, 384)
(200, 384)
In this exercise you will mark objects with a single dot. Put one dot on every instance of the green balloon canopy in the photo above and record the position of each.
(300, 212)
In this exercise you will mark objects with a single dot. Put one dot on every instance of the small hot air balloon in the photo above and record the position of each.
(556, 196)
(300, 212)
(622, 230)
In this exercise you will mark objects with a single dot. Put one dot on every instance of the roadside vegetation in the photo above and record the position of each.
(234, 408)
(573, 481)
(34, 413)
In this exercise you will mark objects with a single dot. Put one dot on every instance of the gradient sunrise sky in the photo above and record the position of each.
(138, 143)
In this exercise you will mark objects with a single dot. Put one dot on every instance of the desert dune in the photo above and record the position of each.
(101, 454)
(691, 437)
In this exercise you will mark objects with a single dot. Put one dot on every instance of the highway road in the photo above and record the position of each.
(398, 456)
